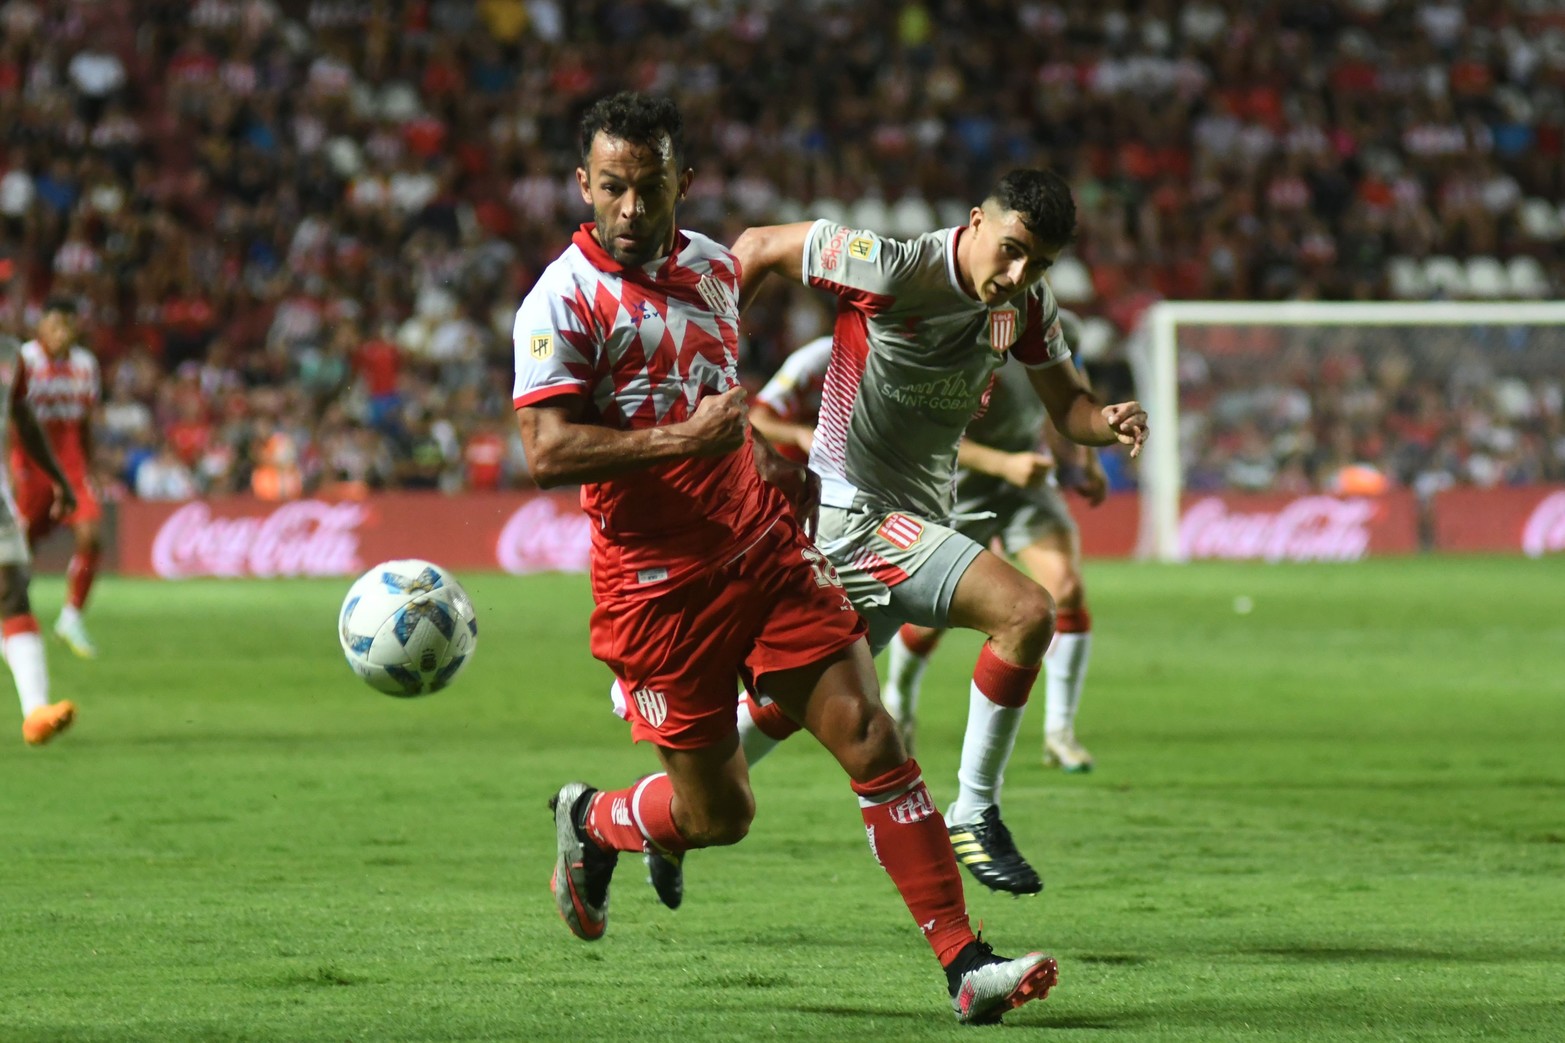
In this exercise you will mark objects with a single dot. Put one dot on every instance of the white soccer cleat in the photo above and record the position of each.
(1061, 749)
(984, 986)
(73, 632)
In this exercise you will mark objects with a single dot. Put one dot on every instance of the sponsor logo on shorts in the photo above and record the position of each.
(900, 531)
(863, 248)
(652, 706)
(1002, 328)
(915, 807)
(657, 575)
(541, 345)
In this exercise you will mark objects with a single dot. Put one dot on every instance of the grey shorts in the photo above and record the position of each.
(897, 568)
(1021, 516)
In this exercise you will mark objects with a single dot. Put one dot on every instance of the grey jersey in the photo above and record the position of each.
(10, 372)
(911, 358)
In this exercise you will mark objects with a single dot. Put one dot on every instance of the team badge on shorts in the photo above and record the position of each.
(1002, 328)
(900, 531)
(541, 345)
(652, 706)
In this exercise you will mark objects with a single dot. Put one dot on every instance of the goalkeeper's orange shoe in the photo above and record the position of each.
(46, 722)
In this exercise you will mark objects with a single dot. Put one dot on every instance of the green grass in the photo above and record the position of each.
(1338, 817)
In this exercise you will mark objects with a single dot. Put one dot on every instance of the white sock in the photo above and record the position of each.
(756, 743)
(991, 734)
(1065, 671)
(24, 654)
(69, 613)
(904, 677)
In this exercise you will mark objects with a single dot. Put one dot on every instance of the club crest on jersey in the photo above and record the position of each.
(717, 296)
(1002, 328)
(863, 248)
(541, 345)
(900, 531)
(652, 706)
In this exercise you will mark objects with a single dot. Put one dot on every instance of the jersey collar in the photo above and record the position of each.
(956, 283)
(602, 260)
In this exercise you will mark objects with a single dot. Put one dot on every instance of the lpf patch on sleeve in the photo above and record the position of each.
(541, 345)
(900, 531)
(864, 248)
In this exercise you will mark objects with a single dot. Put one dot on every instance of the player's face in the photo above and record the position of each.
(1005, 258)
(56, 332)
(633, 191)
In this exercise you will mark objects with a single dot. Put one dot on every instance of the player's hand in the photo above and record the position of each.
(1026, 470)
(718, 425)
(1128, 421)
(800, 485)
(64, 502)
(1090, 481)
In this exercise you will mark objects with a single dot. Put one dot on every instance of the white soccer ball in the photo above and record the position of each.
(407, 627)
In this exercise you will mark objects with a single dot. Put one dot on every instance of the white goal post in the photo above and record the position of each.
(1154, 358)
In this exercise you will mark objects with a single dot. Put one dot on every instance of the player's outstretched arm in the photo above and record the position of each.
(1081, 416)
(562, 450)
(30, 436)
(1023, 470)
(780, 431)
(769, 249)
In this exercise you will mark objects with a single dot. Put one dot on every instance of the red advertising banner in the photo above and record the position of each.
(1281, 527)
(1530, 519)
(241, 536)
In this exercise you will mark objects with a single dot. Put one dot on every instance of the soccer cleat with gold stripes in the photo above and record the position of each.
(985, 847)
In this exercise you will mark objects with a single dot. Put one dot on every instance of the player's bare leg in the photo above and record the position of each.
(24, 654)
(79, 576)
(1054, 559)
(1018, 615)
(836, 701)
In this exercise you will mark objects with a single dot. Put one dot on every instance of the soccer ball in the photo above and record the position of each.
(407, 627)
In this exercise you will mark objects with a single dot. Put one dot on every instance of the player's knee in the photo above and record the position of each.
(1028, 624)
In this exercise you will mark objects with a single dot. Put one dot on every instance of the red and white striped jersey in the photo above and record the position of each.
(63, 393)
(640, 347)
(912, 356)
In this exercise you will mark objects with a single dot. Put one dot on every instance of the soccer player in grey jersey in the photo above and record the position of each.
(922, 324)
(1012, 467)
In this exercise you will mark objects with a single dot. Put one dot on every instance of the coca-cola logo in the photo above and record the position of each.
(1311, 528)
(304, 538)
(545, 535)
(1545, 528)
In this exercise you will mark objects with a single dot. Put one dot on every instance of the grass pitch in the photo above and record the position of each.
(1338, 816)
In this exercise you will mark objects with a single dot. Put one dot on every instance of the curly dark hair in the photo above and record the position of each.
(641, 119)
(1043, 200)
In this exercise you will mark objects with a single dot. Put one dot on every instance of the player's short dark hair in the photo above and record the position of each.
(1043, 200)
(63, 305)
(640, 119)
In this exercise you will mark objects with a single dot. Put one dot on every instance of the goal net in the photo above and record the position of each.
(1338, 415)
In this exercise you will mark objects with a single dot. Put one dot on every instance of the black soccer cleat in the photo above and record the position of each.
(666, 874)
(984, 986)
(985, 847)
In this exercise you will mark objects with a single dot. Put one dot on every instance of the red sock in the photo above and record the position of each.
(770, 720)
(1003, 683)
(1072, 621)
(624, 819)
(79, 575)
(26, 623)
(919, 640)
(909, 839)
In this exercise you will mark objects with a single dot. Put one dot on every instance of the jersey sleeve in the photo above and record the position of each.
(1042, 341)
(854, 263)
(556, 348)
(787, 392)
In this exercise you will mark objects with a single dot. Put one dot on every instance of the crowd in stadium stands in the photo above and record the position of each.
(298, 229)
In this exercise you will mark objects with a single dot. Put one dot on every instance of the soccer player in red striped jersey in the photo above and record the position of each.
(63, 388)
(626, 382)
(922, 325)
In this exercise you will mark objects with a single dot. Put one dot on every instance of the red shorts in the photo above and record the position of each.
(679, 655)
(35, 496)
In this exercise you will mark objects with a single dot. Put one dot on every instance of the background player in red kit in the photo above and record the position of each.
(626, 381)
(63, 388)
